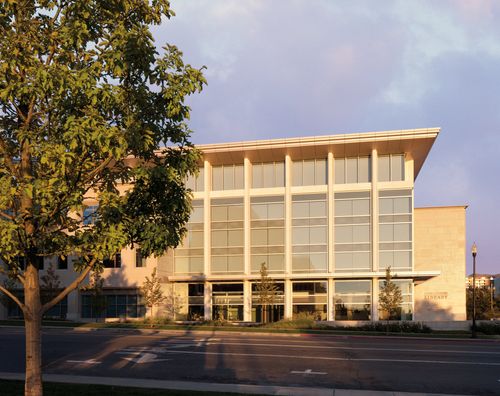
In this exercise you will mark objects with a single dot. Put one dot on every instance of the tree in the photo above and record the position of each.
(95, 289)
(483, 303)
(50, 284)
(87, 102)
(390, 297)
(152, 292)
(266, 291)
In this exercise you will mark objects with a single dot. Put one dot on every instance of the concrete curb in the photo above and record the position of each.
(256, 333)
(212, 387)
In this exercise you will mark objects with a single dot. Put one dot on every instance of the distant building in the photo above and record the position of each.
(482, 280)
(326, 214)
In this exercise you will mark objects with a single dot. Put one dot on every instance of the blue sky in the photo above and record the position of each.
(279, 68)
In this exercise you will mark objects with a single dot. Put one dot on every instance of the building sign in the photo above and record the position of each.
(436, 296)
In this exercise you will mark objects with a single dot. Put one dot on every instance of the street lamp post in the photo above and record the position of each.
(491, 296)
(474, 254)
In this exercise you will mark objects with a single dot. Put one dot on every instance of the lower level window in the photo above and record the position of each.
(112, 306)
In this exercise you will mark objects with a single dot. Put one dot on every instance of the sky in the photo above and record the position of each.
(291, 68)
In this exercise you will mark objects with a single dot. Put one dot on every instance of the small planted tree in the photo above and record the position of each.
(266, 292)
(390, 297)
(50, 284)
(95, 289)
(152, 292)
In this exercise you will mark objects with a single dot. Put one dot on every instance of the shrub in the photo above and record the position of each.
(489, 328)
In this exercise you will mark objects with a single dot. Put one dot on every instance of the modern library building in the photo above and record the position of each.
(327, 215)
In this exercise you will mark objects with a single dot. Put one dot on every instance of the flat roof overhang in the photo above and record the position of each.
(416, 143)
(416, 275)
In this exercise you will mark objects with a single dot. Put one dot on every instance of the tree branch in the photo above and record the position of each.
(72, 286)
(13, 297)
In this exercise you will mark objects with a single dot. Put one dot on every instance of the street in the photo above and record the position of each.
(343, 362)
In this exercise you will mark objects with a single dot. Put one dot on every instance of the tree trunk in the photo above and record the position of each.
(33, 324)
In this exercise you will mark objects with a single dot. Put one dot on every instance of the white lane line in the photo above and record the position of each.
(308, 371)
(88, 361)
(176, 345)
(333, 358)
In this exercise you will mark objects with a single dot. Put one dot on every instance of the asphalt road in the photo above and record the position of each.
(343, 362)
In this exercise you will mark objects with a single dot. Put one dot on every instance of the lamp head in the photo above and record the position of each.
(474, 249)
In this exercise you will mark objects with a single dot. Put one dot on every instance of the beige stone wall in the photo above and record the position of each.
(440, 246)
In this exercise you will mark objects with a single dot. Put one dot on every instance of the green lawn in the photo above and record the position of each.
(16, 388)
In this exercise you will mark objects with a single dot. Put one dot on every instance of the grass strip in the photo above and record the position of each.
(16, 388)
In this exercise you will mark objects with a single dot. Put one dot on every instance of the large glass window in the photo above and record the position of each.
(269, 174)
(227, 216)
(391, 167)
(196, 306)
(272, 311)
(115, 306)
(395, 229)
(90, 214)
(267, 238)
(189, 255)
(309, 233)
(309, 172)
(352, 300)
(227, 301)
(405, 310)
(352, 231)
(310, 299)
(196, 183)
(352, 170)
(228, 177)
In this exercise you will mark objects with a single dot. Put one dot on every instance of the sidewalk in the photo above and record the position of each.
(212, 387)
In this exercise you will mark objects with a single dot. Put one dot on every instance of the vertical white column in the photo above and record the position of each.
(288, 299)
(247, 213)
(375, 299)
(288, 215)
(247, 301)
(331, 300)
(206, 218)
(207, 300)
(374, 198)
(375, 236)
(73, 306)
(331, 214)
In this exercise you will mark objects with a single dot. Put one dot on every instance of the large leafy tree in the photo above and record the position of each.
(87, 103)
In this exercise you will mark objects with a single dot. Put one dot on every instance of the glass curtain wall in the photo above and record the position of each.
(227, 301)
(196, 183)
(272, 312)
(196, 309)
(267, 237)
(395, 229)
(309, 299)
(405, 310)
(309, 172)
(268, 174)
(228, 177)
(353, 300)
(352, 170)
(352, 231)
(309, 233)
(188, 257)
(391, 167)
(227, 229)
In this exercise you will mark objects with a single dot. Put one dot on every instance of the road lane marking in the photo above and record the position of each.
(308, 371)
(333, 358)
(142, 357)
(165, 343)
(88, 361)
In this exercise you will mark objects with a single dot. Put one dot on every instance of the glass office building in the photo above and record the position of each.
(327, 215)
